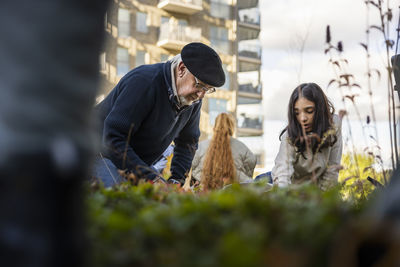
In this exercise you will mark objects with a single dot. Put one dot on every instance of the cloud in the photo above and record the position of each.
(284, 22)
(289, 24)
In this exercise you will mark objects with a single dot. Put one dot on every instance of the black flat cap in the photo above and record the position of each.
(204, 63)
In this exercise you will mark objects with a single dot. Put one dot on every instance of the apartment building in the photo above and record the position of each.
(249, 111)
(149, 31)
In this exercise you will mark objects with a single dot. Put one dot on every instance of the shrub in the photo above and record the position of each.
(354, 176)
(154, 225)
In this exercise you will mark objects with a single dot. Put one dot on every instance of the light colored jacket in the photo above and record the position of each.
(291, 167)
(244, 160)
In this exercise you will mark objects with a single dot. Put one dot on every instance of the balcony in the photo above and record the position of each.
(245, 33)
(249, 88)
(188, 7)
(250, 20)
(249, 125)
(249, 60)
(175, 37)
(248, 53)
(249, 112)
(249, 122)
(247, 3)
(250, 49)
(249, 17)
(248, 64)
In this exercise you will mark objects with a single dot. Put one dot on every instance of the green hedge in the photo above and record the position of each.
(154, 225)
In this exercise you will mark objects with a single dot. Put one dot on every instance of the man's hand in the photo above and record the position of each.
(174, 180)
(160, 180)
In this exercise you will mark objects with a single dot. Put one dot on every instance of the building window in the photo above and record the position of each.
(102, 61)
(182, 22)
(219, 37)
(124, 22)
(123, 65)
(215, 107)
(220, 9)
(164, 57)
(140, 58)
(141, 22)
(164, 19)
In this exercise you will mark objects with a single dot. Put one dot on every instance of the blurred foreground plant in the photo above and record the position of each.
(157, 225)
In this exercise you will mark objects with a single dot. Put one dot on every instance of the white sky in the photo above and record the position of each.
(284, 24)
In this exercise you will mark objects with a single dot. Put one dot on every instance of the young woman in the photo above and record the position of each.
(223, 160)
(311, 144)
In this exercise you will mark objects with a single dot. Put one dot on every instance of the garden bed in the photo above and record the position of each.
(155, 225)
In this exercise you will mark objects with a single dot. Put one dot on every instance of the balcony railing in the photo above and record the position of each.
(249, 122)
(252, 54)
(181, 6)
(249, 88)
(247, 4)
(174, 37)
(248, 33)
(245, 65)
(249, 50)
(250, 16)
(249, 20)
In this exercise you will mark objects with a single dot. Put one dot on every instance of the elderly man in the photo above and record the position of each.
(152, 106)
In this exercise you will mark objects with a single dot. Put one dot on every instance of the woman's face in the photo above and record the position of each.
(305, 110)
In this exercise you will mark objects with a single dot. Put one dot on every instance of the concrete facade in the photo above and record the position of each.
(151, 31)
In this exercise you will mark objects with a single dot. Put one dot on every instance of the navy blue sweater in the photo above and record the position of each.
(140, 119)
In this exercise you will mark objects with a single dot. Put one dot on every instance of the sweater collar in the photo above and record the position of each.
(169, 74)
(174, 62)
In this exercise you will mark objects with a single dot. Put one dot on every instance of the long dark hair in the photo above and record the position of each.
(322, 134)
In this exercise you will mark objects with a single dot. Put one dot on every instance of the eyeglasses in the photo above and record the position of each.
(207, 90)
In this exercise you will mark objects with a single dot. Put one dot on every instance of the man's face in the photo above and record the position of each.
(188, 87)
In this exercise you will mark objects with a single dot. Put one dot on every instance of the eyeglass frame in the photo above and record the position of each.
(207, 90)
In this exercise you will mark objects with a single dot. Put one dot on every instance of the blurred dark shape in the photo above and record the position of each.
(375, 182)
(373, 239)
(48, 76)
(340, 46)
(328, 34)
(387, 204)
(396, 72)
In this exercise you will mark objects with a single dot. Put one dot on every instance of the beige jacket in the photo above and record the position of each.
(244, 159)
(291, 167)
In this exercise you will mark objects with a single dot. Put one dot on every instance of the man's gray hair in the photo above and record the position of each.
(175, 60)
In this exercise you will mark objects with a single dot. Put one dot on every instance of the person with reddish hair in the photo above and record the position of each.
(223, 160)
